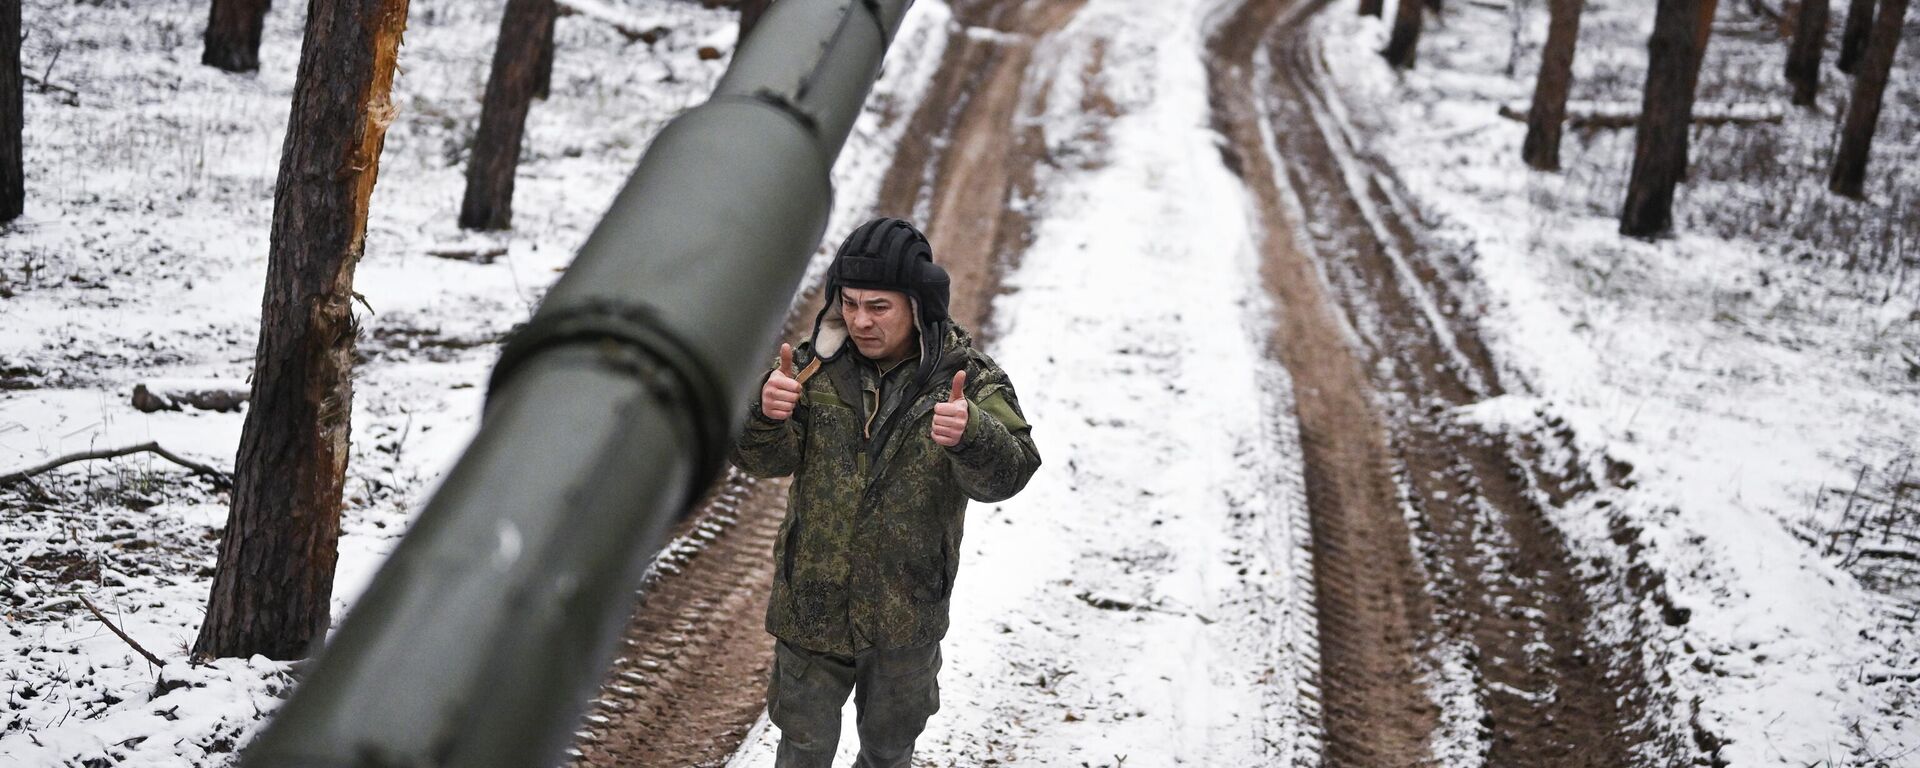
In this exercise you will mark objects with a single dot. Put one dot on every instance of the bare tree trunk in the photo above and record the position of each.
(233, 34)
(1660, 139)
(1406, 34)
(1371, 7)
(1853, 40)
(543, 68)
(503, 116)
(13, 177)
(1549, 111)
(274, 583)
(750, 13)
(1863, 110)
(1803, 57)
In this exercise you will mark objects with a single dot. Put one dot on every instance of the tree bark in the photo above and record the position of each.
(1803, 56)
(233, 34)
(1863, 110)
(1371, 7)
(543, 67)
(274, 581)
(1660, 140)
(750, 13)
(1702, 30)
(1548, 114)
(1853, 40)
(1406, 34)
(503, 116)
(13, 177)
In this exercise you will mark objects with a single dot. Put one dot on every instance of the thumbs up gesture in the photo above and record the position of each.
(950, 417)
(781, 393)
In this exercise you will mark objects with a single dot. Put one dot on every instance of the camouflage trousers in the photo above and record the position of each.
(894, 692)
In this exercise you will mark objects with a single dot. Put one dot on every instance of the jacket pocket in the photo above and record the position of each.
(786, 549)
(949, 567)
(927, 576)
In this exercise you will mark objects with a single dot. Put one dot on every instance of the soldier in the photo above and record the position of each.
(886, 441)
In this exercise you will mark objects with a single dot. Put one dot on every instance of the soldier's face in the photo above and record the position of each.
(880, 322)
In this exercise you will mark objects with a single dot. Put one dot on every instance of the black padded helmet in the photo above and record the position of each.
(892, 255)
(887, 254)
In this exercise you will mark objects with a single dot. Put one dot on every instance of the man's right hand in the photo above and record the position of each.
(781, 393)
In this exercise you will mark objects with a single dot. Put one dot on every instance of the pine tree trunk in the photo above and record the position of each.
(1371, 7)
(1660, 139)
(1853, 40)
(1863, 110)
(543, 68)
(1803, 57)
(233, 34)
(13, 177)
(1548, 114)
(274, 582)
(1406, 34)
(750, 13)
(503, 116)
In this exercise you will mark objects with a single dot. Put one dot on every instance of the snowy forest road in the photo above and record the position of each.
(1479, 602)
(1452, 626)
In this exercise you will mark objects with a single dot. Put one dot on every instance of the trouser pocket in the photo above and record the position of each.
(804, 696)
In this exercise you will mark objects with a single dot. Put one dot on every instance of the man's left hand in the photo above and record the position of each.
(950, 417)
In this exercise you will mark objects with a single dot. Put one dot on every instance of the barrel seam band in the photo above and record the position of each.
(668, 367)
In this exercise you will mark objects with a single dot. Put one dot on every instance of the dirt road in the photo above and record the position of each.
(1478, 601)
(1453, 628)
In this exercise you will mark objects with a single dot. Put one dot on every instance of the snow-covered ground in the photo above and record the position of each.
(1146, 600)
(1142, 601)
(141, 258)
(1760, 370)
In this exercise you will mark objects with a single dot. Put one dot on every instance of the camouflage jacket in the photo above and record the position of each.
(871, 542)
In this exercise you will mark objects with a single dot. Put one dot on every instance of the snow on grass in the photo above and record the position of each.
(1758, 370)
(140, 259)
(1140, 602)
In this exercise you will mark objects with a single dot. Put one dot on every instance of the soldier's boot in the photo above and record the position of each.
(897, 691)
(804, 697)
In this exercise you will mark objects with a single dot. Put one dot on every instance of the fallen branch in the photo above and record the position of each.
(114, 453)
(1602, 115)
(155, 660)
(469, 252)
(176, 395)
(628, 27)
(73, 96)
(1110, 603)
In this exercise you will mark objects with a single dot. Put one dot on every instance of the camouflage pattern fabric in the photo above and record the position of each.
(870, 546)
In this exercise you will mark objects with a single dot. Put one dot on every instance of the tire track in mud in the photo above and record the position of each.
(965, 159)
(1367, 587)
(691, 677)
(1503, 601)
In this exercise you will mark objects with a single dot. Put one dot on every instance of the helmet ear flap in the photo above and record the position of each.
(932, 290)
